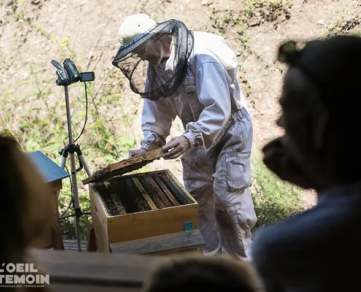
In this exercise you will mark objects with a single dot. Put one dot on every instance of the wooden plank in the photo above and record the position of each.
(148, 156)
(61, 287)
(173, 185)
(99, 220)
(133, 195)
(165, 190)
(151, 223)
(164, 243)
(116, 199)
(99, 269)
(152, 192)
(144, 193)
(106, 199)
(179, 251)
(183, 200)
(124, 166)
(179, 185)
(163, 200)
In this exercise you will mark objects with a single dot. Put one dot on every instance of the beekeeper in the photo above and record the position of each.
(193, 75)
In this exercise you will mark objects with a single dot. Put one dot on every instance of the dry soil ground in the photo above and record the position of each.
(33, 32)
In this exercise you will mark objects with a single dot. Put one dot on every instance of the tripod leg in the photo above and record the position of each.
(71, 149)
(76, 198)
(85, 165)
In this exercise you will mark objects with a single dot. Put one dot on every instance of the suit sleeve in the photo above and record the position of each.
(157, 119)
(213, 92)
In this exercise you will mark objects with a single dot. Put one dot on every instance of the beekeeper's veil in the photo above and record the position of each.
(140, 39)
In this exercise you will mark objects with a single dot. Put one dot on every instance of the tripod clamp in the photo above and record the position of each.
(72, 148)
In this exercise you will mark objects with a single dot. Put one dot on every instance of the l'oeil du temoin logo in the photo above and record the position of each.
(21, 275)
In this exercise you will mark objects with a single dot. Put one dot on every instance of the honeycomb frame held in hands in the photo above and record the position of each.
(124, 166)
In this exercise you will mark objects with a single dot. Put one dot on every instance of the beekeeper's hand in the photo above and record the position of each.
(136, 152)
(175, 147)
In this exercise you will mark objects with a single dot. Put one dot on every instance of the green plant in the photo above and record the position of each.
(273, 198)
(34, 112)
(38, 121)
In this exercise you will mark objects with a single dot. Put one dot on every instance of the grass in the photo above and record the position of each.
(41, 125)
(37, 119)
(273, 198)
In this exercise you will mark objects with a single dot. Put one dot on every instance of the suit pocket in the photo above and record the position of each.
(238, 171)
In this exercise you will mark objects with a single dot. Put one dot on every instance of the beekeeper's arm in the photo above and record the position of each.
(157, 119)
(213, 92)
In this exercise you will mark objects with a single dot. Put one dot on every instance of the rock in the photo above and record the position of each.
(207, 2)
(254, 23)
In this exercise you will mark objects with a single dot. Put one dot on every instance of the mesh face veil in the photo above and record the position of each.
(158, 56)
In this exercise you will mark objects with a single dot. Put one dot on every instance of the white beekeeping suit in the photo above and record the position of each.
(216, 167)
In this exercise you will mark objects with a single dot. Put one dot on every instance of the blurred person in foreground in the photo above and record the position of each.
(196, 273)
(24, 209)
(316, 250)
(193, 75)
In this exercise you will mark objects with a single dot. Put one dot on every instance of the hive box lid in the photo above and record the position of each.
(48, 168)
(124, 166)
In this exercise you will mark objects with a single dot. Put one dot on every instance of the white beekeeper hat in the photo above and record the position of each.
(133, 26)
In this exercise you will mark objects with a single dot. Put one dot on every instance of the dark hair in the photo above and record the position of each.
(200, 273)
(333, 65)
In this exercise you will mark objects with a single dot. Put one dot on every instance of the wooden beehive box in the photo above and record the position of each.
(138, 206)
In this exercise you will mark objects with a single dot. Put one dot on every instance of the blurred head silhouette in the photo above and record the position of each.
(320, 114)
(198, 273)
(25, 199)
